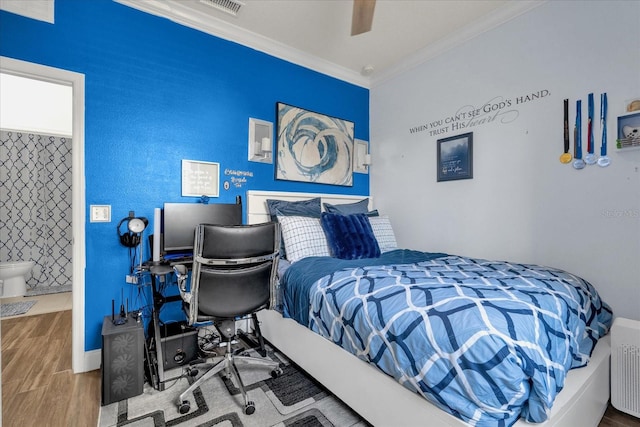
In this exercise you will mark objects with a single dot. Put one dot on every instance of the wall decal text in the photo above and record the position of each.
(238, 178)
(498, 109)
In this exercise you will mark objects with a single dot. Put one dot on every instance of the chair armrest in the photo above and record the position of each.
(182, 274)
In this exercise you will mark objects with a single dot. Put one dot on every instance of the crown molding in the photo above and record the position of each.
(177, 12)
(181, 14)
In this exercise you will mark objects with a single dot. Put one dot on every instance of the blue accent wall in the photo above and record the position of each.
(156, 93)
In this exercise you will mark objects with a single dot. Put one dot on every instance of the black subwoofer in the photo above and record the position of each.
(122, 360)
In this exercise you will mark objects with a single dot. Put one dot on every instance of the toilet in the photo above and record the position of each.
(12, 275)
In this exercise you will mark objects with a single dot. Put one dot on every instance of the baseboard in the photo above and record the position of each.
(91, 361)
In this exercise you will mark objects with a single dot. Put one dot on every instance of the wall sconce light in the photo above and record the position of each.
(265, 146)
(260, 142)
(361, 156)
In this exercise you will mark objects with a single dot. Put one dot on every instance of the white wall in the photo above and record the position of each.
(35, 105)
(522, 204)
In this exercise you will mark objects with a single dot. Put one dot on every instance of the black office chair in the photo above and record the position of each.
(233, 277)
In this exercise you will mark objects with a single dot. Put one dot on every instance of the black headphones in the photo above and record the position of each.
(135, 226)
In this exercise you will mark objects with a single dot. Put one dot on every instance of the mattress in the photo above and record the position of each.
(489, 342)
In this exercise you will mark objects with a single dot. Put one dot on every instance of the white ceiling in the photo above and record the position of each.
(317, 33)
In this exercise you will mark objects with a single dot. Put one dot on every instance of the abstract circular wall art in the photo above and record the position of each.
(313, 147)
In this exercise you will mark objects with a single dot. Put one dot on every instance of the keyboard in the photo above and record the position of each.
(180, 260)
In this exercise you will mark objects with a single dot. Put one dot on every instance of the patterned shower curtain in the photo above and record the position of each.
(35, 205)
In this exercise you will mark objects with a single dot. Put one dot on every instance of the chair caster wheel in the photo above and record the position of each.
(276, 373)
(184, 407)
(250, 408)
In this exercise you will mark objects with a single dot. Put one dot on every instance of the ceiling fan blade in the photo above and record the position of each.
(362, 16)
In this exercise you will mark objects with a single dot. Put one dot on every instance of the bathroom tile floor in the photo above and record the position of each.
(45, 303)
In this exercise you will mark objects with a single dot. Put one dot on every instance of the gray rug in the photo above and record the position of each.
(292, 399)
(15, 308)
(46, 290)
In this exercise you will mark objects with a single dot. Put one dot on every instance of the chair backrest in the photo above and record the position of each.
(234, 270)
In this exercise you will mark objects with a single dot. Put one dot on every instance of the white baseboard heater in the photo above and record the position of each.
(625, 366)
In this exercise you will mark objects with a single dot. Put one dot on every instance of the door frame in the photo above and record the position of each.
(78, 197)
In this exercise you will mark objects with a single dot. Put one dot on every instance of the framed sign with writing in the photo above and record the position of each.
(455, 157)
(200, 178)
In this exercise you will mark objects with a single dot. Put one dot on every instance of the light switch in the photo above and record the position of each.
(100, 213)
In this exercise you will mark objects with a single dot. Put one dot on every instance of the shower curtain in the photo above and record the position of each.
(35, 207)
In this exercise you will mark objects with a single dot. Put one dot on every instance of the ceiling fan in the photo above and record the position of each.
(362, 16)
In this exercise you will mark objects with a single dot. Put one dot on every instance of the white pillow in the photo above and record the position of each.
(303, 237)
(383, 232)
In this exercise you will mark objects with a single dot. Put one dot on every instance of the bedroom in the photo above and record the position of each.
(540, 211)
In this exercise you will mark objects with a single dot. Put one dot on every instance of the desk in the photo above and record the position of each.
(155, 349)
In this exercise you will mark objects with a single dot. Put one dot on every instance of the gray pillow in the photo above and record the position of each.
(309, 208)
(361, 207)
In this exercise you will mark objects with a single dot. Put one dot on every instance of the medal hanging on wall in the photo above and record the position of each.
(590, 158)
(566, 157)
(578, 163)
(604, 160)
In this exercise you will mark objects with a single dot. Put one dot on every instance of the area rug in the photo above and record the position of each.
(15, 308)
(46, 290)
(291, 399)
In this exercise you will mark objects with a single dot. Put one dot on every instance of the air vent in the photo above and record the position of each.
(232, 7)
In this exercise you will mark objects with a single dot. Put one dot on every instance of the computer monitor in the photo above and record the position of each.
(181, 219)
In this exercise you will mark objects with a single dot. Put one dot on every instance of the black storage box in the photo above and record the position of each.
(179, 343)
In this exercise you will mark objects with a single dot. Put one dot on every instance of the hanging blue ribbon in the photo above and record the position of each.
(578, 130)
(603, 123)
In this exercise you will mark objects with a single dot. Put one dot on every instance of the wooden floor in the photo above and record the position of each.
(40, 389)
(38, 384)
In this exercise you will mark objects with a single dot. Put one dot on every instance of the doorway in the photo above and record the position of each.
(36, 171)
(76, 82)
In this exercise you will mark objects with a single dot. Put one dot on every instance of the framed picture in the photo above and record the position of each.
(455, 157)
(629, 130)
(200, 178)
(313, 147)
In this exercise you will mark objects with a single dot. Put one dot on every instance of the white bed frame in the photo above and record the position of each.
(379, 398)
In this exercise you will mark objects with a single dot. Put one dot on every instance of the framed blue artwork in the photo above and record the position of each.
(313, 147)
(455, 157)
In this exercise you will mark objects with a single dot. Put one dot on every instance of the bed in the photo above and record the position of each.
(379, 397)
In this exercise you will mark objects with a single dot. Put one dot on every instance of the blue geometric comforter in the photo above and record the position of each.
(487, 341)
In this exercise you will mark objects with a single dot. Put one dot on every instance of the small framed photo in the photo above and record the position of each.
(200, 178)
(455, 157)
(629, 127)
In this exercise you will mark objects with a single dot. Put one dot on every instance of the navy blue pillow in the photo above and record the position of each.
(310, 208)
(361, 206)
(351, 208)
(350, 236)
